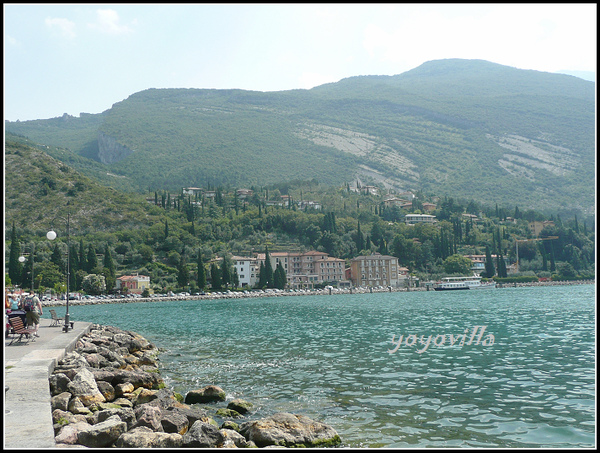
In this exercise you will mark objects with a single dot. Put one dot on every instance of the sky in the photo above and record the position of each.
(73, 58)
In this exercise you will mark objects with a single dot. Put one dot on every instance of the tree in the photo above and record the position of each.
(226, 278)
(268, 270)
(94, 284)
(14, 266)
(57, 259)
(92, 259)
(490, 271)
(279, 277)
(201, 279)
(215, 277)
(457, 264)
(183, 277)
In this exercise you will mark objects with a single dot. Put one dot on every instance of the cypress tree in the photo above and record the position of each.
(489, 263)
(92, 260)
(280, 277)
(183, 277)
(166, 229)
(74, 267)
(268, 270)
(15, 268)
(201, 272)
(215, 277)
(262, 281)
(225, 272)
(57, 259)
(82, 260)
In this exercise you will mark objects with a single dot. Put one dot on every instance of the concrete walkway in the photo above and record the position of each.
(27, 367)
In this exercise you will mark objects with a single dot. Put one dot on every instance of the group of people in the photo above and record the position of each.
(32, 306)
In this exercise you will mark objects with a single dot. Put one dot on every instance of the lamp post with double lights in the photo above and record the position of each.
(51, 235)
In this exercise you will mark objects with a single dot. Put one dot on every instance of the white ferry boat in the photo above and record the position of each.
(457, 283)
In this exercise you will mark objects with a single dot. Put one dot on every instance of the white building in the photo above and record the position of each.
(412, 219)
(247, 270)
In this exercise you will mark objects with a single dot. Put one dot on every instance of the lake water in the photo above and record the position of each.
(527, 380)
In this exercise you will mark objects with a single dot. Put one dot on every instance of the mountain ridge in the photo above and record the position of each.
(467, 128)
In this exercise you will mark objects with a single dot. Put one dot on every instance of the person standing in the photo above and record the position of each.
(34, 313)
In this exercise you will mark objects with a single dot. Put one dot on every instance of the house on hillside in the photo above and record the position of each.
(536, 227)
(192, 191)
(413, 219)
(134, 283)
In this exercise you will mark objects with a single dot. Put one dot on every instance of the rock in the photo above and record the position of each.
(126, 387)
(203, 435)
(68, 434)
(96, 360)
(143, 437)
(124, 402)
(174, 422)
(230, 424)
(85, 388)
(107, 390)
(148, 416)
(208, 394)
(58, 383)
(77, 407)
(163, 398)
(234, 439)
(102, 434)
(193, 414)
(126, 414)
(239, 405)
(145, 396)
(61, 401)
(289, 430)
(227, 413)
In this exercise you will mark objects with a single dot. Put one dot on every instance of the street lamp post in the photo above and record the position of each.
(22, 260)
(51, 235)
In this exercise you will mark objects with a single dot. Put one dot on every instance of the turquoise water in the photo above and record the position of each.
(332, 358)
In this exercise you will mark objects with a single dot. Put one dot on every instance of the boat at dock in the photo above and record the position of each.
(460, 283)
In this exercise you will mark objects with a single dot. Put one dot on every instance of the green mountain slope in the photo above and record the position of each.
(41, 191)
(465, 128)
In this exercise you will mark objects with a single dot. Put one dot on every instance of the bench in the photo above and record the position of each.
(19, 329)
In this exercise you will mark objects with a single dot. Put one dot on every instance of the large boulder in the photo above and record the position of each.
(144, 437)
(203, 435)
(289, 430)
(208, 394)
(102, 434)
(68, 434)
(85, 388)
(148, 416)
(240, 406)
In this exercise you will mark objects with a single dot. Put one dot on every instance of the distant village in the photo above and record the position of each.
(307, 270)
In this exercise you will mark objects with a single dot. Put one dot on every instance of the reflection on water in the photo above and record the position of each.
(327, 357)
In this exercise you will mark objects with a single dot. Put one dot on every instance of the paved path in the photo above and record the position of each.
(27, 366)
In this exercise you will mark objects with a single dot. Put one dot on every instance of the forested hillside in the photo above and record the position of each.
(170, 236)
(462, 128)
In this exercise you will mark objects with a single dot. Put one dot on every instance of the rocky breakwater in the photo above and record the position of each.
(108, 392)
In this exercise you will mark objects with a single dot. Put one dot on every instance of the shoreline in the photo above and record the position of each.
(283, 293)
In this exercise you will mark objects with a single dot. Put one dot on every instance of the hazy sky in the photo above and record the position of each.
(72, 58)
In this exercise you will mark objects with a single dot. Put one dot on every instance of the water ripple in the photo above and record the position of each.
(327, 357)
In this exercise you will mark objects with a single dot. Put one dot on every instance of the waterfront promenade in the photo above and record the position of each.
(27, 367)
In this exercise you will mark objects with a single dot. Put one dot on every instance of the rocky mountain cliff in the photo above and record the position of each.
(463, 128)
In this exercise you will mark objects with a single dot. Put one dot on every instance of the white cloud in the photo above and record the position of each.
(64, 26)
(107, 21)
